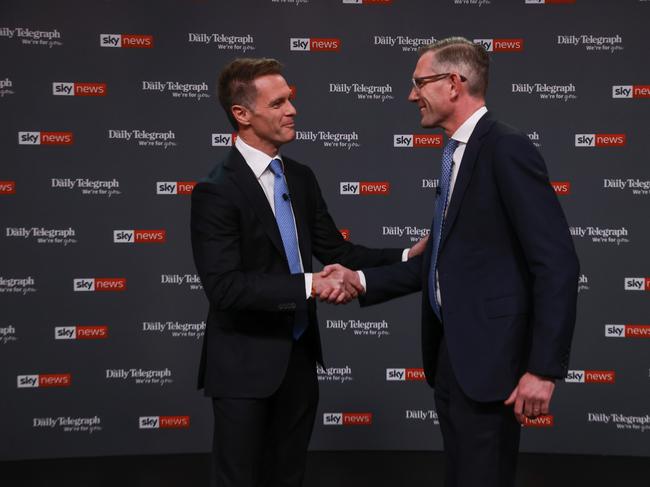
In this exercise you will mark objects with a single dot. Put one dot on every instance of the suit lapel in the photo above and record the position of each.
(465, 174)
(297, 190)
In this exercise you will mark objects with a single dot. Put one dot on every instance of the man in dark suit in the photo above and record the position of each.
(256, 223)
(499, 275)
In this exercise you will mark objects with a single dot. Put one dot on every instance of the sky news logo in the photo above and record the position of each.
(543, 421)
(637, 284)
(561, 188)
(591, 376)
(501, 45)
(223, 140)
(7, 187)
(61, 88)
(600, 140)
(45, 138)
(175, 187)
(347, 419)
(417, 140)
(92, 284)
(139, 236)
(163, 422)
(345, 233)
(43, 380)
(81, 332)
(405, 375)
(314, 44)
(627, 331)
(364, 188)
(631, 91)
(126, 40)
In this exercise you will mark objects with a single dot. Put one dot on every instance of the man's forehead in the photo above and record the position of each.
(270, 82)
(426, 63)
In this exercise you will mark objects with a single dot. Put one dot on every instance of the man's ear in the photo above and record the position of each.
(241, 114)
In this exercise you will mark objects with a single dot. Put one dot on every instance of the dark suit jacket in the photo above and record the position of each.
(240, 258)
(507, 269)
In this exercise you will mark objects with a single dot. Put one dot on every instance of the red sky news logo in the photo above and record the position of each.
(7, 187)
(44, 380)
(544, 421)
(91, 284)
(81, 332)
(314, 44)
(591, 376)
(292, 96)
(600, 140)
(45, 138)
(405, 374)
(345, 232)
(126, 40)
(561, 188)
(365, 187)
(637, 284)
(139, 236)
(416, 140)
(347, 419)
(61, 88)
(627, 331)
(631, 91)
(163, 422)
(501, 45)
(175, 187)
(223, 140)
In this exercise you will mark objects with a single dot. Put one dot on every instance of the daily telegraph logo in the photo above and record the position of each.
(224, 140)
(144, 138)
(159, 377)
(176, 329)
(223, 42)
(549, 2)
(65, 236)
(141, 41)
(363, 91)
(193, 281)
(546, 91)
(20, 285)
(418, 140)
(139, 236)
(376, 329)
(314, 44)
(405, 43)
(335, 374)
(592, 43)
(368, 2)
(43, 380)
(631, 91)
(534, 138)
(196, 91)
(637, 283)
(341, 140)
(8, 334)
(627, 331)
(364, 188)
(69, 424)
(401, 375)
(430, 183)
(45, 138)
(616, 236)
(61, 88)
(163, 422)
(93, 284)
(501, 45)
(7, 187)
(29, 37)
(600, 140)
(88, 187)
(583, 283)
(473, 3)
(421, 415)
(175, 187)
(6, 86)
(591, 376)
(97, 332)
(543, 421)
(637, 187)
(623, 422)
(413, 233)
(347, 419)
(561, 188)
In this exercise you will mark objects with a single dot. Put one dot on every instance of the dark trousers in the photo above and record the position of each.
(263, 442)
(481, 440)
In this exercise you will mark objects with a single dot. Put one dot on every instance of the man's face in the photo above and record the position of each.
(433, 98)
(271, 116)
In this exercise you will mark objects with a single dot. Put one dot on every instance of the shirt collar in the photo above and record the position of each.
(257, 160)
(463, 133)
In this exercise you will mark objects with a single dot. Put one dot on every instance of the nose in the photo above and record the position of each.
(413, 95)
(291, 110)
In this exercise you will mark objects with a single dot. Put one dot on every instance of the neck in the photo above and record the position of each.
(464, 109)
(253, 140)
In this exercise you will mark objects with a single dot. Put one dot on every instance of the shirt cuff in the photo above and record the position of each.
(362, 278)
(405, 255)
(308, 280)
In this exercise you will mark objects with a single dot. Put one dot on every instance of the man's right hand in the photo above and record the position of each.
(336, 284)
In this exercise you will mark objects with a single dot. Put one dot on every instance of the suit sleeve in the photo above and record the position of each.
(542, 230)
(215, 231)
(330, 247)
(393, 281)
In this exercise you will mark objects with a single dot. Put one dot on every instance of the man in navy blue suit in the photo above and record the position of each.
(499, 275)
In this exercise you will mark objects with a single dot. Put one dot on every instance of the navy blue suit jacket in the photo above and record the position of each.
(507, 269)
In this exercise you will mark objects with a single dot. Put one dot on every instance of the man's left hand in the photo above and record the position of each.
(419, 247)
(531, 397)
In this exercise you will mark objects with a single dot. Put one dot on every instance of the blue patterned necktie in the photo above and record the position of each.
(287, 227)
(438, 220)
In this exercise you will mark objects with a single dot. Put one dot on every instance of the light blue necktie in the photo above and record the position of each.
(287, 227)
(438, 220)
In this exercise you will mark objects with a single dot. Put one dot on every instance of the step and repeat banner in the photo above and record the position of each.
(109, 117)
